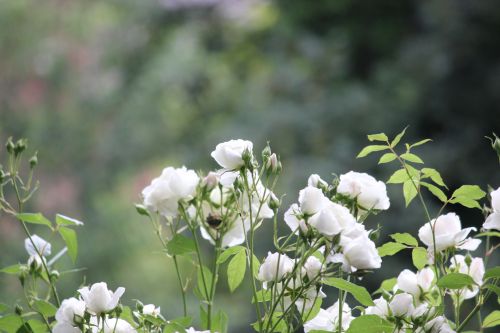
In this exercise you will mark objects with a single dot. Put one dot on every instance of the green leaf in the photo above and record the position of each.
(370, 324)
(404, 238)
(69, 237)
(173, 327)
(492, 273)
(387, 157)
(10, 323)
(370, 149)
(358, 292)
(312, 312)
(409, 191)
(390, 249)
(455, 281)
(492, 320)
(398, 137)
(263, 295)
(467, 195)
(493, 288)
(12, 269)
(419, 257)
(4, 308)
(488, 233)
(256, 266)
(207, 274)
(183, 321)
(67, 221)
(388, 284)
(419, 143)
(142, 210)
(33, 218)
(180, 245)
(378, 137)
(45, 308)
(398, 177)
(228, 253)
(436, 191)
(37, 326)
(220, 321)
(236, 270)
(434, 175)
(411, 158)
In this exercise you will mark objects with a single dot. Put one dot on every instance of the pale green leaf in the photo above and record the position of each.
(387, 157)
(370, 324)
(370, 149)
(34, 218)
(45, 308)
(492, 273)
(378, 137)
(419, 257)
(236, 270)
(228, 253)
(409, 191)
(492, 320)
(434, 175)
(12, 269)
(469, 191)
(10, 323)
(398, 138)
(419, 143)
(398, 177)
(411, 158)
(455, 281)
(436, 191)
(404, 238)
(69, 237)
(390, 248)
(358, 292)
(67, 221)
(180, 245)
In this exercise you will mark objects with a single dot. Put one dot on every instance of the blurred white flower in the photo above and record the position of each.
(331, 219)
(164, 192)
(192, 330)
(114, 325)
(99, 299)
(357, 253)
(327, 320)
(150, 309)
(381, 308)
(229, 154)
(312, 267)
(293, 221)
(475, 269)
(369, 193)
(448, 233)
(71, 311)
(275, 267)
(311, 200)
(63, 327)
(438, 325)
(401, 305)
(493, 220)
(315, 180)
(40, 244)
(415, 284)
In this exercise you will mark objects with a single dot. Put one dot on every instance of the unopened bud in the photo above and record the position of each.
(21, 145)
(54, 275)
(2, 175)
(468, 260)
(496, 145)
(266, 152)
(34, 160)
(210, 181)
(118, 310)
(272, 163)
(18, 309)
(142, 210)
(139, 306)
(10, 145)
(35, 263)
(274, 202)
(247, 158)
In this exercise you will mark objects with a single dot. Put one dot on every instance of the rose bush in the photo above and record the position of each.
(329, 247)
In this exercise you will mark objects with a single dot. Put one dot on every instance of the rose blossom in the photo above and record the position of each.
(114, 325)
(415, 284)
(493, 220)
(229, 154)
(275, 267)
(327, 320)
(99, 299)
(71, 311)
(448, 233)
(165, 192)
(475, 269)
(41, 245)
(401, 304)
(370, 193)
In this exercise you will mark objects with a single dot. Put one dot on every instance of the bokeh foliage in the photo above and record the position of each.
(111, 91)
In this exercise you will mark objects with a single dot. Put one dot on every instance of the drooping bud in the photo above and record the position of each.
(21, 145)
(10, 145)
(210, 181)
(247, 159)
(18, 309)
(495, 144)
(274, 202)
(272, 163)
(118, 310)
(54, 275)
(266, 152)
(139, 306)
(34, 160)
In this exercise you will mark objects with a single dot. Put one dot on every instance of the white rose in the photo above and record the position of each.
(360, 252)
(311, 200)
(292, 220)
(98, 298)
(114, 325)
(438, 325)
(401, 304)
(315, 180)
(493, 220)
(43, 247)
(448, 233)
(164, 192)
(313, 267)
(420, 311)
(370, 193)
(229, 154)
(150, 309)
(475, 270)
(275, 267)
(332, 219)
(327, 320)
(381, 308)
(71, 311)
(192, 330)
(234, 235)
(495, 200)
(415, 284)
(63, 327)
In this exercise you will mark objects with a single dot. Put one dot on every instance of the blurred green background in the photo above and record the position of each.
(110, 92)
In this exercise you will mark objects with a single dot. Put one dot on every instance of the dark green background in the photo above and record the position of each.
(110, 92)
